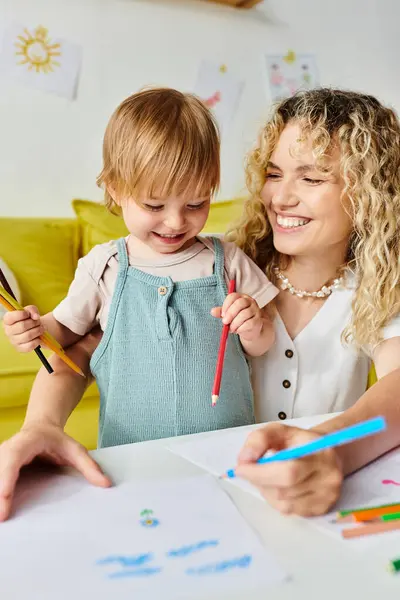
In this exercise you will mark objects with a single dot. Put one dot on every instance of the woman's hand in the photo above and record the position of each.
(308, 486)
(47, 441)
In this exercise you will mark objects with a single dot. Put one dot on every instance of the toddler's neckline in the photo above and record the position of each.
(166, 260)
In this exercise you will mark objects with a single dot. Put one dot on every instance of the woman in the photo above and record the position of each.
(322, 221)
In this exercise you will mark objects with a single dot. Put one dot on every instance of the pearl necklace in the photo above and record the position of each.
(325, 291)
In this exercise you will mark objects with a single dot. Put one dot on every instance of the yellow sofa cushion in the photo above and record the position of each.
(17, 372)
(372, 378)
(223, 214)
(42, 253)
(98, 225)
(82, 424)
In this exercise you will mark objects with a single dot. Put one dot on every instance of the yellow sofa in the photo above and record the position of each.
(43, 254)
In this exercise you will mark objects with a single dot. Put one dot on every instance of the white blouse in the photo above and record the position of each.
(315, 373)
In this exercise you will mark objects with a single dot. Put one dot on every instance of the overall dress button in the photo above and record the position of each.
(286, 384)
(282, 415)
(289, 353)
(162, 290)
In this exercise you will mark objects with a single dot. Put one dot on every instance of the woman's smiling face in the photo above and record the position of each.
(304, 203)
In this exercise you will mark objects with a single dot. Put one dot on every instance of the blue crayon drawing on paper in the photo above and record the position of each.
(131, 566)
(141, 572)
(191, 548)
(127, 561)
(242, 562)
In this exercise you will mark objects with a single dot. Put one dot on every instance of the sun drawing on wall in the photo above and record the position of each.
(36, 50)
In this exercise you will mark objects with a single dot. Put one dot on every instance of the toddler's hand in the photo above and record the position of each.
(242, 314)
(23, 328)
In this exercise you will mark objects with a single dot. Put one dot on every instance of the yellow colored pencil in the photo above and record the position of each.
(6, 304)
(17, 306)
(10, 299)
(11, 304)
(57, 349)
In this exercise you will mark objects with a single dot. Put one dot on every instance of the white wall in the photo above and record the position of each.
(50, 148)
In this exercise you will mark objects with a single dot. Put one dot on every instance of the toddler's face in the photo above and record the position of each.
(166, 224)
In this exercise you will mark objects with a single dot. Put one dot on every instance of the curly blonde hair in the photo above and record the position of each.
(368, 137)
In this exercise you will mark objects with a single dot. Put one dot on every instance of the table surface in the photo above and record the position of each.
(319, 566)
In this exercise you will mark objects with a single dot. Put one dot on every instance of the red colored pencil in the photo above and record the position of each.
(221, 354)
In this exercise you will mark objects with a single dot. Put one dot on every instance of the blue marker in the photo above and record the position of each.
(331, 440)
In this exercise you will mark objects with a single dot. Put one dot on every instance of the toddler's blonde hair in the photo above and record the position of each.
(368, 137)
(160, 140)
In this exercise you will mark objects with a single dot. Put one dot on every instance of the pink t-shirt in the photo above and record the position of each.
(89, 297)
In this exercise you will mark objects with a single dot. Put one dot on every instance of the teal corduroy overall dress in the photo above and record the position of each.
(156, 362)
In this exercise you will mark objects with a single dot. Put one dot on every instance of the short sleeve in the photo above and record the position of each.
(80, 309)
(250, 279)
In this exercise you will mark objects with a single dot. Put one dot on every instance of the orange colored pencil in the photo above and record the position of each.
(6, 304)
(221, 354)
(370, 529)
(374, 513)
(350, 511)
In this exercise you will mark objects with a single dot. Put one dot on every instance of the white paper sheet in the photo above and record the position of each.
(180, 539)
(218, 452)
(376, 484)
(33, 57)
(220, 91)
(291, 72)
